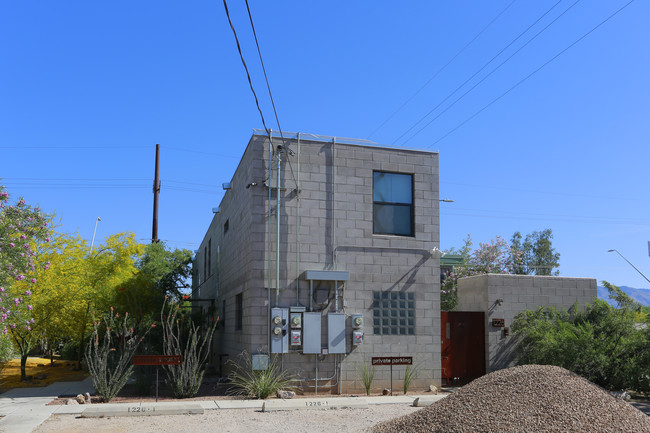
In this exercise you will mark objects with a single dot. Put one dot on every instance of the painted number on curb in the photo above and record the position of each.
(141, 409)
(316, 403)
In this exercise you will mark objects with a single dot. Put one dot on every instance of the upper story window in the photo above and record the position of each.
(392, 203)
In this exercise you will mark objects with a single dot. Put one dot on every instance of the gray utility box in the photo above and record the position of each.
(336, 333)
(279, 330)
(311, 328)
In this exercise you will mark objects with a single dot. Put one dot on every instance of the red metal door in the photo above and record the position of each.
(463, 346)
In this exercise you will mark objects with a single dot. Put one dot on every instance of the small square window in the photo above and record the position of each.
(394, 313)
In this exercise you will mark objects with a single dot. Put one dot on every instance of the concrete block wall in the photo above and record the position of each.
(504, 296)
(328, 226)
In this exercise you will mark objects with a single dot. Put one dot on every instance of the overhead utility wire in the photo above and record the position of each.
(481, 69)
(441, 69)
(530, 75)
(245, 67)
(268, 86)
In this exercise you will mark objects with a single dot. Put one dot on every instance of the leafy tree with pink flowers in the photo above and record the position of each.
(495, 257)
(22, 228)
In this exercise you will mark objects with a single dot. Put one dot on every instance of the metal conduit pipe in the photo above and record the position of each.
(277, 239)
(268, 256)
(298, 224)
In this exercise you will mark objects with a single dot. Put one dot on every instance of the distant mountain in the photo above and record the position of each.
(642, 296)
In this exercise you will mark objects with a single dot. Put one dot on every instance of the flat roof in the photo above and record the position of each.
(328, 139)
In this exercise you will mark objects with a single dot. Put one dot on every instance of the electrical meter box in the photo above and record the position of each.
(295, 320)
(312, 323)
(336, 333)
(357, 321)
(296, 338)
(357, 337)
(279, 335)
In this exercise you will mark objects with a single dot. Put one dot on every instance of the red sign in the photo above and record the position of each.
(392, 360)
(157, 359)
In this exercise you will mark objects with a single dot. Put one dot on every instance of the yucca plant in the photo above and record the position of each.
(248, 382)
(366, 374)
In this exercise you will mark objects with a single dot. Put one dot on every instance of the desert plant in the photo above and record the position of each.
(409, 375)
(261, 383)
(109, 358)
(186, 339)
(366, 374)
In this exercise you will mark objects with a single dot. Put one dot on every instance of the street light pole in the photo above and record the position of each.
(616, 251)
(92, 243)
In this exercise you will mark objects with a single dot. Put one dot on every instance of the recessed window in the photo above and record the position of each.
(392, 203)
(239, 312)
(394, 313)
(209, 257)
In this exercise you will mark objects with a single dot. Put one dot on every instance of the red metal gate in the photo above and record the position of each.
(463, 346)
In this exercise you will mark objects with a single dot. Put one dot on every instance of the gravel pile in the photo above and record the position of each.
(527, 398)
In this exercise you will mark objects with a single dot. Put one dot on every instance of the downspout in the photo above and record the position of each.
(277, 239)
(333, 203)
(298, 224)
(268, 256)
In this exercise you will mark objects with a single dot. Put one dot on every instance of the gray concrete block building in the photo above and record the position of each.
(501, 297)
(321, 254)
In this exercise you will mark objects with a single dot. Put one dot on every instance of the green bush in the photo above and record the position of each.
(7, 352)
(246, 381)
(603, 343)
(70, 350)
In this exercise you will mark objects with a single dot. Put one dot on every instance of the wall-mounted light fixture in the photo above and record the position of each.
(251, 184)
(215, 210)
(226, 185)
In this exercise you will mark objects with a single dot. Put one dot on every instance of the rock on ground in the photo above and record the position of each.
(527, 398)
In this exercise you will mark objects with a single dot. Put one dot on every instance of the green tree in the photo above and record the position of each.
(536, 255)
(22, 229)
(495, 257)
(168, 270)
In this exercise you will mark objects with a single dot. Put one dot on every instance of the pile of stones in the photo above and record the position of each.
(527, 398)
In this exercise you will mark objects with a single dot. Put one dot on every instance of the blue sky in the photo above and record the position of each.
(88, 88)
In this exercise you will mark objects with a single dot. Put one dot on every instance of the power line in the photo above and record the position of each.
(241, 56)
(442, 68)
(482, 68)
(530, 75)
(268, 86)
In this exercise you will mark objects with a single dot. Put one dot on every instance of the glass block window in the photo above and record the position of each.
(394, 313)
(392, 195)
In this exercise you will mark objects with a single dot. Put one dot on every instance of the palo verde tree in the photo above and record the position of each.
(22, 228)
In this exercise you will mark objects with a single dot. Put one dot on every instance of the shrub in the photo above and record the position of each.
(409, 375)
(109, 357)
(602, 343)
(366, 374)
(7, 352)
(186, 340)
(246, 381)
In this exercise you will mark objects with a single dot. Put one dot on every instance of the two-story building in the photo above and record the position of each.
(322, 254)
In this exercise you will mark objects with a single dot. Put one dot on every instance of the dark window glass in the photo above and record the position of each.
(392, 203)
(239, 312)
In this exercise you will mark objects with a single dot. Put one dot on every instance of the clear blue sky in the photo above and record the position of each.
(87, 88)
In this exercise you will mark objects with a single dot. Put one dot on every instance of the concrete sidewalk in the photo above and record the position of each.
(24, 409)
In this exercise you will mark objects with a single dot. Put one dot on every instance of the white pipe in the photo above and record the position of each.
(92, 243)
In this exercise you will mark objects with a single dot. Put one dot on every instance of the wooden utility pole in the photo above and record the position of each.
(156, 192)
